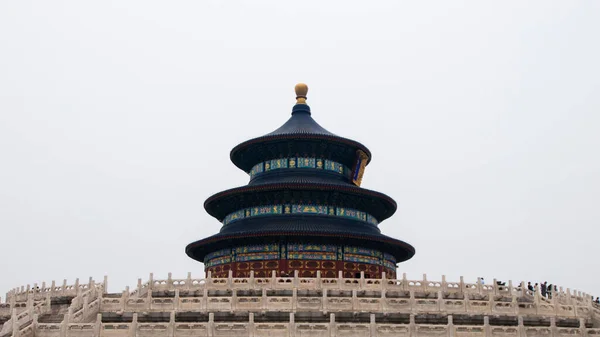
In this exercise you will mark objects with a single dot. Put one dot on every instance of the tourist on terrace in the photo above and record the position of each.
(597, 301)
(549, 290)
(544, 287)
(530, 287)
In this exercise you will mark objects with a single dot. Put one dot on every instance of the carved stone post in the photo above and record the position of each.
(319, 284)
(553, 329)
(521, 327)
(251, 329)
(105, 284)
(134, 325)
(171, 329)
(294, 299)
(412, 327)
(332, 325)
(486, 326)
(582, 327)
(98, 325)
(292, 326)
(444, 283)
(450, 326)
(211, 324)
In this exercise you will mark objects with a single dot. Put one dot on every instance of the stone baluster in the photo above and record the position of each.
(139, 288)
(425, 283)
(361, 281)
(15, 323)
(523, 289)
(295, 282)
(294, 299)
(264, 300)
(324, 305)
(234, 300)
(515, 304)
(98, 324)
(208, 282)
(85, 306)
(404, 282)
(492, 301)
(77, 290)
(171, 329)
(521, 327)
(462, 284)
(383, 302)
(169, 280)
(134, 325)
(292, 325)
(176, 300)
(451, 331)
(230, 278)
(444, 283)
(355, 305)
(151, 282)
(105, 284)
(495, 286)
(510, 288)
(63, 326)
(251, 280)
(149, 300)
(412, 301)
(69, 315)
(188, 281)
(211, 324)
(486, 326)
(251, 328)
(582, 327)
(479, 285)
(412, 327)
(440, 300)
(319, 282)
(553, 328)
(340, 279)
(332, 325)
(372, 326)
(273, 278)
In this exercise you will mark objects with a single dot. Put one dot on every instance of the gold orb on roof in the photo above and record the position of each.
(301, 91)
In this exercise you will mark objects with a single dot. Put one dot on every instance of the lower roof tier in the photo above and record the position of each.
(318, 230)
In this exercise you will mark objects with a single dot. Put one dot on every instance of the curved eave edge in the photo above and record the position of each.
(312, 187)
(299, 136)
(406, 247)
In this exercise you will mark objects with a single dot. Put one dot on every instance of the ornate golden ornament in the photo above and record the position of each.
(359, 168)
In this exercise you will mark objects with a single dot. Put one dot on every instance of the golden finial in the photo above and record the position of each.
(301, 90)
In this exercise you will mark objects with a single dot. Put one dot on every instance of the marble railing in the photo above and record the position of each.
(563, 296)
(23, 293)
(330, 300)
(329, 328)
(84, 307)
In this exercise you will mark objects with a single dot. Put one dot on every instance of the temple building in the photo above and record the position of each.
(303, 208)
(299, 254)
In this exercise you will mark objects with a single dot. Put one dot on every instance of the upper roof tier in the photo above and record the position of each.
(301, 135)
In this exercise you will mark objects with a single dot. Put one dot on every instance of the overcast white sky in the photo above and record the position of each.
(117, 118)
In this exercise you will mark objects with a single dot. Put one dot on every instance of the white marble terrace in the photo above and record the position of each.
(303, 307)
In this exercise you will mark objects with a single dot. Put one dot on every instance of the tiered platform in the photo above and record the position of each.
(295, 306)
